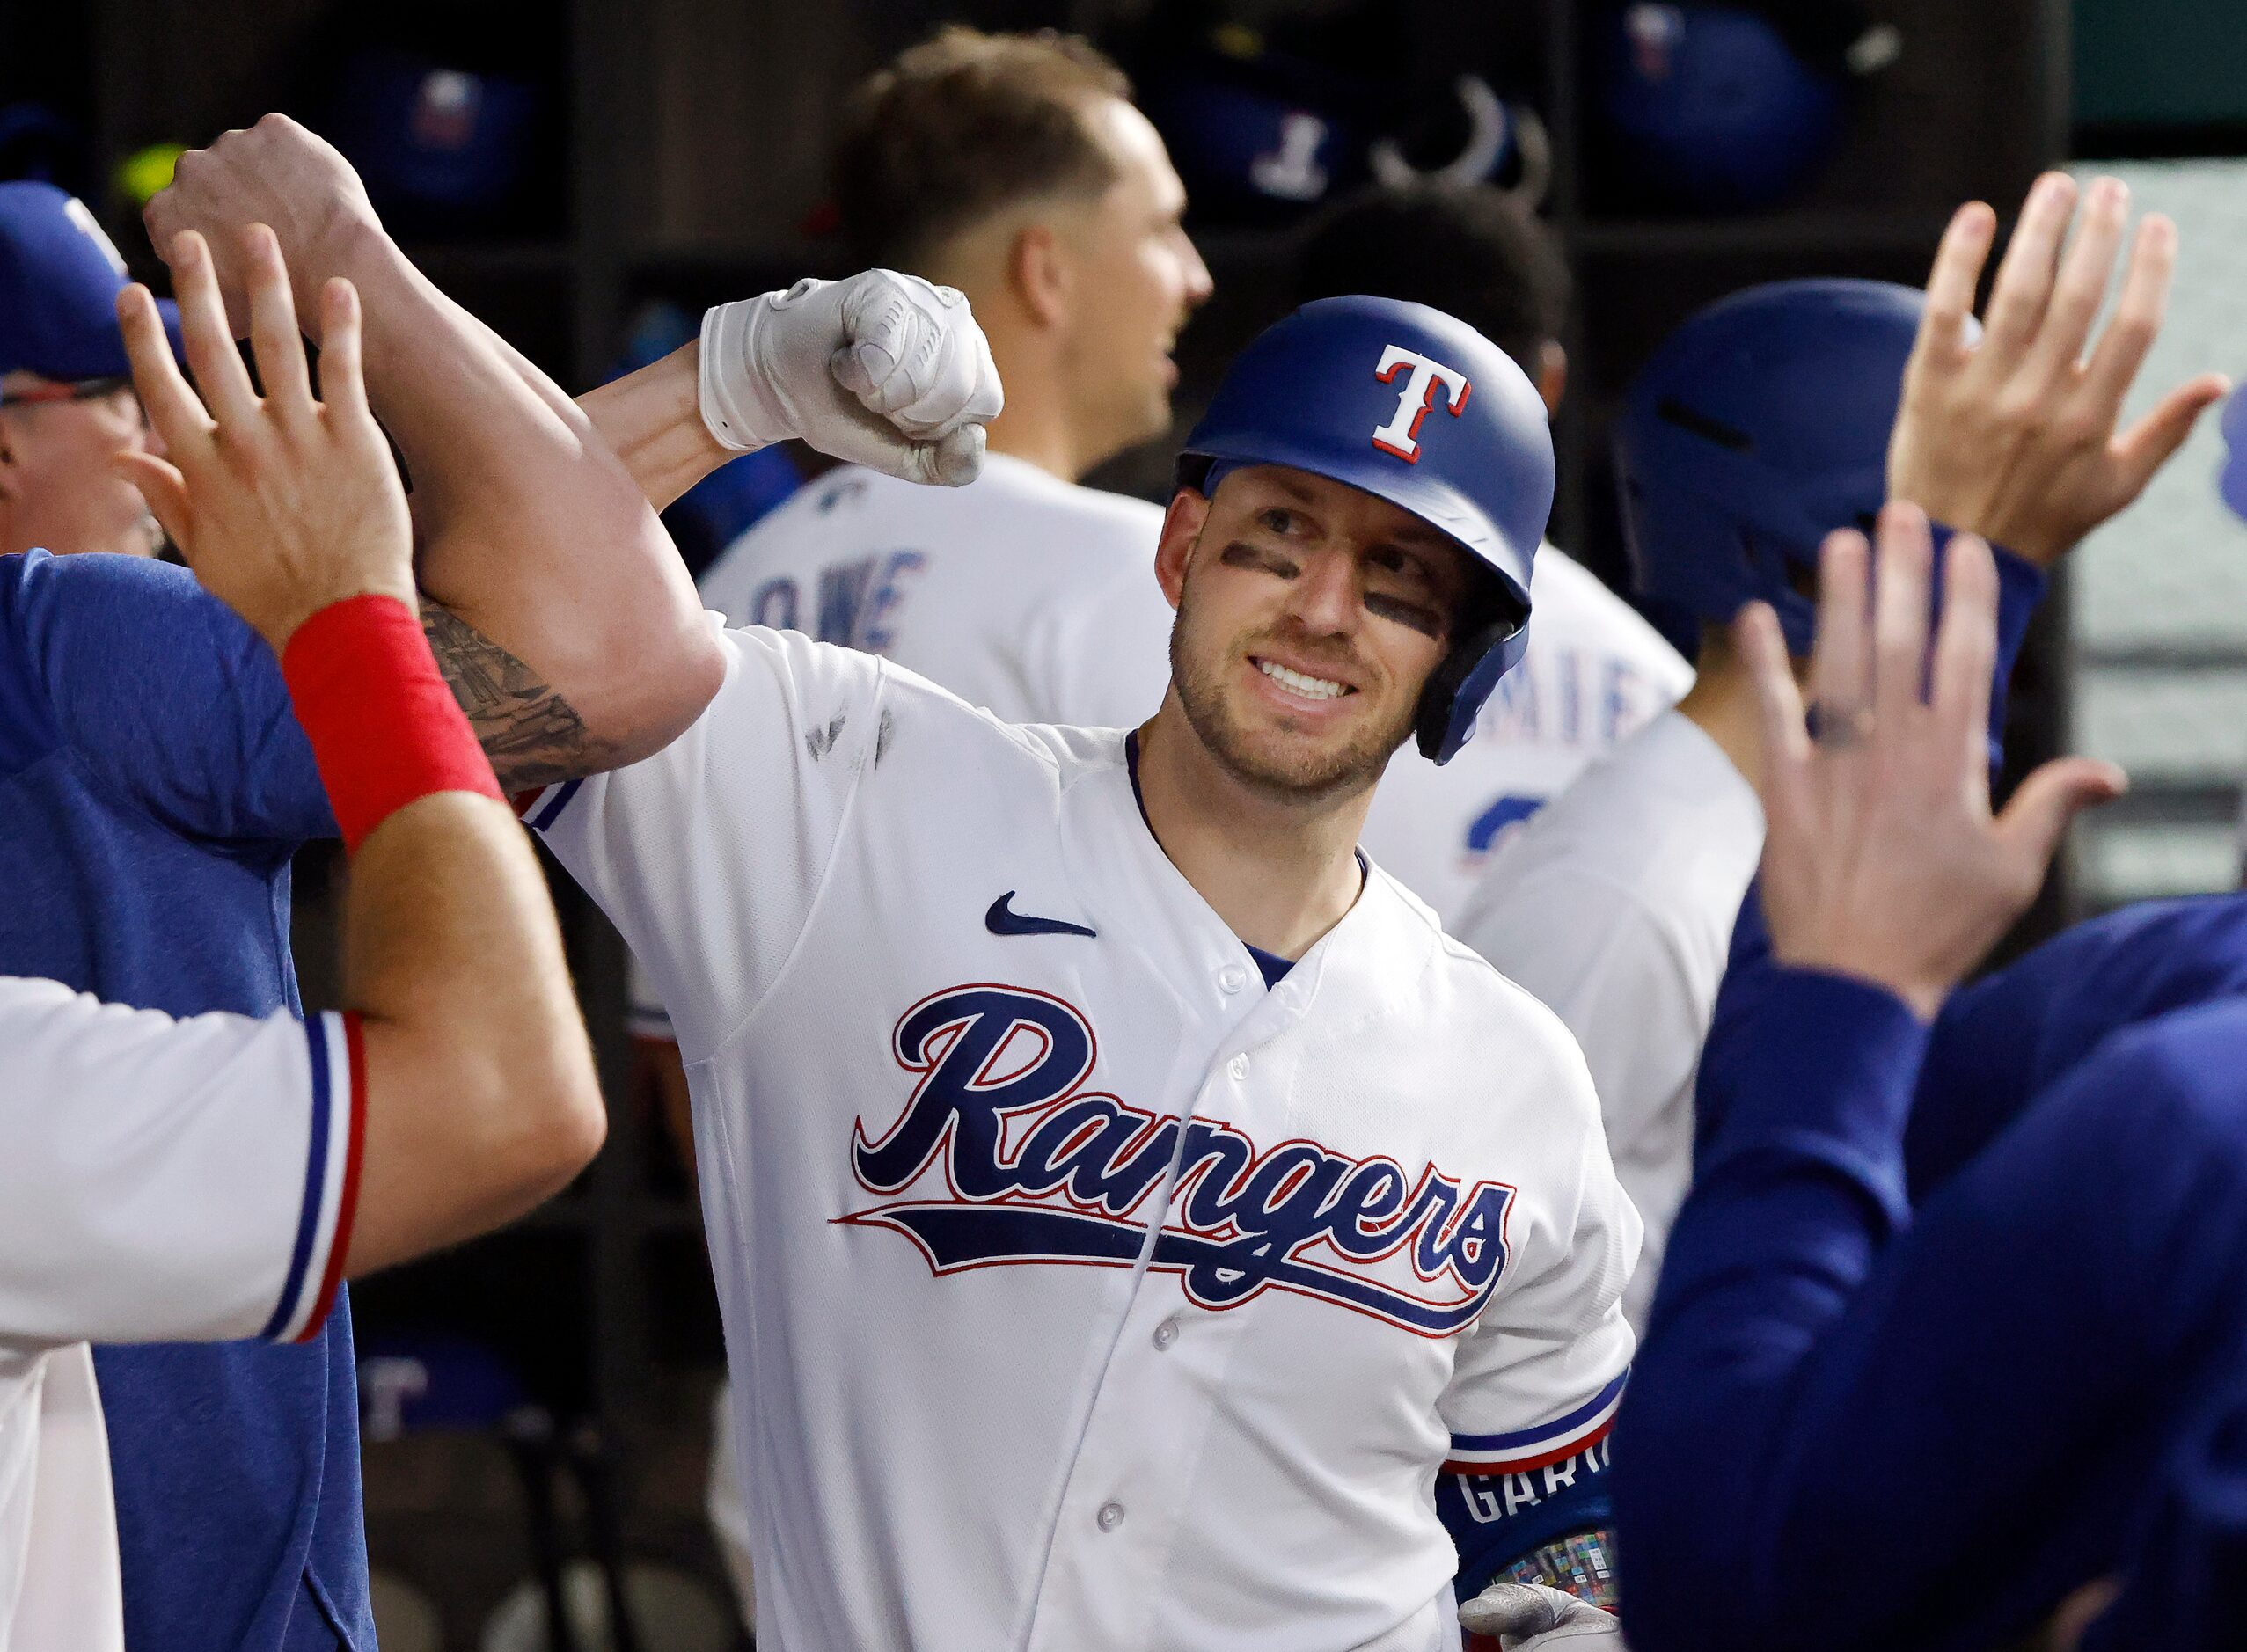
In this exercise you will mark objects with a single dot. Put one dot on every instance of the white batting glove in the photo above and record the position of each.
(1532, 1617)
(883, 370)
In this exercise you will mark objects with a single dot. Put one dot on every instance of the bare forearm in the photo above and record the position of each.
(652, 420)
(481, 1098)
(530, 529)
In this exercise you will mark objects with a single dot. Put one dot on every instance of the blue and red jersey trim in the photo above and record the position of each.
(541, 808)
(1524, 1448)
(332, 1157)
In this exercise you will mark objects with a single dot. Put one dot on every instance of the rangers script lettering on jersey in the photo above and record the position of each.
(1082, 1292)
(1032, 1170)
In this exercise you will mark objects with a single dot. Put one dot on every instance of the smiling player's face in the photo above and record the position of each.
(1310, 615)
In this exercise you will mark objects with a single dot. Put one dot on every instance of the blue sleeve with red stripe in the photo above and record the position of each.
(1502, 1496)
(1497, 1519)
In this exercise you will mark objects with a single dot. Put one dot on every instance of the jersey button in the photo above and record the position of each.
(1165, 1334)
(1239, 1069)
(1110, 1516)
(1232, 978)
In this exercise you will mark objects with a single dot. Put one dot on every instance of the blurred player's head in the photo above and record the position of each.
(1472, 251)
(1311, 615)
(66, 404)
(1016, 168)
(1759, 426)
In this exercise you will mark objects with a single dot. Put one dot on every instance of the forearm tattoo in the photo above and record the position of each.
(532, 735)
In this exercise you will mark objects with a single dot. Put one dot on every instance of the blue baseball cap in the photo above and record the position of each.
(60, 276)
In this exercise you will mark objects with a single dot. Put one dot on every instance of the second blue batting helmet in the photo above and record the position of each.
(1416, 407)
(1760, 427)
(1721, 107)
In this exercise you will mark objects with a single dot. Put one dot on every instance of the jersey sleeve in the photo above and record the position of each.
(2021, 587)
(1538, 1377)
(709, 856)
(163, 694)
(172, 1181)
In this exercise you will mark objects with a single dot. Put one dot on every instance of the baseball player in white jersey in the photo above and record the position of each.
(1763, 423)
(215, 1177)
(1595, 672)
(1124, 1200)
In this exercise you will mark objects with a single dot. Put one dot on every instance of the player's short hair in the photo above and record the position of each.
(961, 126)
(1475, 252)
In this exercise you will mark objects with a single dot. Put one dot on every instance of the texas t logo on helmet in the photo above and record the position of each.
(1401, 435)
(1301, 396)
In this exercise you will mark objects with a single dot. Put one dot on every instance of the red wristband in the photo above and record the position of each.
(384, 728)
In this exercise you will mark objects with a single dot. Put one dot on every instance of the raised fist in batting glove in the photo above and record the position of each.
(1532, 1617)
(883, 369)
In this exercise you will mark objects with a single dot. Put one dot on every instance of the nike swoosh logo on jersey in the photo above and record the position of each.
(1002, 919)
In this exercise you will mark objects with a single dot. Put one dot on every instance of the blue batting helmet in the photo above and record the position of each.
(1418, 408)
(1721, 108)
(1760, 427)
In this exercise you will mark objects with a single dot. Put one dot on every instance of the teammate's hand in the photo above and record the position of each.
(281, 504)
(883, 370)
(1883, 860)
(277, 173)
(1534, 1617)
(2015, 437)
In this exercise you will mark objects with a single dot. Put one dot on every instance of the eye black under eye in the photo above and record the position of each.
(1426, 621)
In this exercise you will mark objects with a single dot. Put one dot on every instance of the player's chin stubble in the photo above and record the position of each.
(1295, 770)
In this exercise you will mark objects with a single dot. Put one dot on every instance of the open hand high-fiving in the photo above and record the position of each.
(1884, 860)
(281, 503)
(2012, 431)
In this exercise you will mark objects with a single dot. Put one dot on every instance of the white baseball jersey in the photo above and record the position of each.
(161, 1181)
(1615, 906)
(1080, 1291)
(1020, 592)
(1593, 674)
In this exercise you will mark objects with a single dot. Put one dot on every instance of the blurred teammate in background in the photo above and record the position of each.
(1595, 672)
(1764, 422)
(214, 1178)
(67, 404)
(1016, 170)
